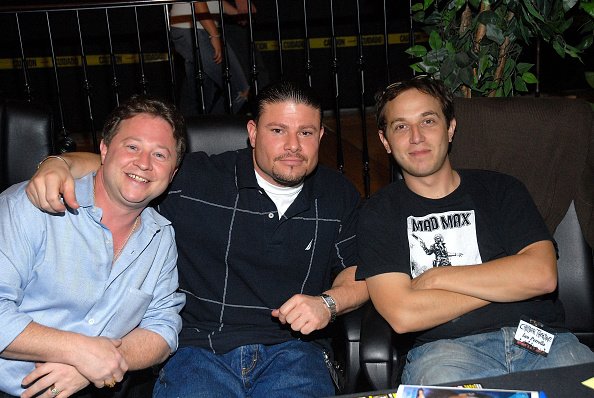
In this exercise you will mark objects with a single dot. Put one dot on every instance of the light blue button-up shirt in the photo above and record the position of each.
(57, 271)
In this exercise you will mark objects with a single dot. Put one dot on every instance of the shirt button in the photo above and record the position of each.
(270, 215)
(91, 321)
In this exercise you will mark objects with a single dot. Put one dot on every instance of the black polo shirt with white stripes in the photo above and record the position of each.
(238, 261)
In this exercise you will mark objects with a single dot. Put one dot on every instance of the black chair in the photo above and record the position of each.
(26, 137)
(216, 133)
(544, 143)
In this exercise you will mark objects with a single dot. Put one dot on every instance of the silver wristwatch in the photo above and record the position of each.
(331, 304)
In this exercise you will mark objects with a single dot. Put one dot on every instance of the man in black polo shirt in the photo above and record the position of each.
(266, 242)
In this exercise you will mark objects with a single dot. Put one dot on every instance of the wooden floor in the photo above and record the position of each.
(351, 128)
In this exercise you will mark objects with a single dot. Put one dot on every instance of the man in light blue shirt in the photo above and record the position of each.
(91, 293)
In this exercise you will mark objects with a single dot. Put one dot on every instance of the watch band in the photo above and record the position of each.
(331, 304)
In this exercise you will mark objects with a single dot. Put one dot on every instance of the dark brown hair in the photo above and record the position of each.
(138, 104)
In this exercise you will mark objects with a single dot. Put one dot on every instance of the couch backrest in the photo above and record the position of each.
(26, 137)
(216, 133)
(542, 141)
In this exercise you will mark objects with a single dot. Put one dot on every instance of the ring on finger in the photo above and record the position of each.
(54, 391)
(110, 384)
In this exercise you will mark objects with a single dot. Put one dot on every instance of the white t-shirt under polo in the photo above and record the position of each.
(281, 196)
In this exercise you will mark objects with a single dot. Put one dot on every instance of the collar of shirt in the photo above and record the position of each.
(246, 178)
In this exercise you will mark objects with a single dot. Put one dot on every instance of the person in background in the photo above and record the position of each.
(90, 294)
(211, 54)
(481, 301)
(267, 247)
(237, 34)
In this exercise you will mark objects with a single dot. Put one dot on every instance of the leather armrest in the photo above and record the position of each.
(377, 349)
(350, 323)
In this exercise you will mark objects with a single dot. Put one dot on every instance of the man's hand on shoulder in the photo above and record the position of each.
(49, 184)
(304, 313)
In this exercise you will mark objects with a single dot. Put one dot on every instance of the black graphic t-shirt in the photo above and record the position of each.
(489, 216)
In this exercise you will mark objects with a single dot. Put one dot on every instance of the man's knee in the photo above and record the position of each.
(567, 351)
(442, 362)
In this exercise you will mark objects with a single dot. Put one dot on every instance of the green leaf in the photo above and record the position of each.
(523, 67)
(568, 4)
(435, 40)
(588, 7)
(559, 48)
(510, 64)
(460, 4)
(428, 68)
(487, 17)
(529, 78)
(495, 34)
(508, 87)
(419, 17)
(417, 68)
(463, 59)
(417, 7)
(533, 11)
(447, 68)
(520, 84)
(585, 43)
(417, 51)
(436, 56)
(427, 3)
(466, 76)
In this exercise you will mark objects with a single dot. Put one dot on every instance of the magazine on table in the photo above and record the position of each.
(468, 391)
(411, 391)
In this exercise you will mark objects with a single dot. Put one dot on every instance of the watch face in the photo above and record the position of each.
(331, 304)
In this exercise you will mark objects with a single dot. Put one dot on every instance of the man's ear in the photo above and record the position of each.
(384, 140)
(252, 129)
(173, 174)
(451, 130)
(321, 133)
(103, 151)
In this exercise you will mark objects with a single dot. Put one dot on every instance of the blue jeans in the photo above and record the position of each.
(487, 355)
(292, 369)
(214, 87)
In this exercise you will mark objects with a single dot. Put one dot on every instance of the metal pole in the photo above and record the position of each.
(170, 54)
(115, 84)
(87, 85)
(361, 66)
(28, 93)
(143, 82)
(66, 144)
(339, 150)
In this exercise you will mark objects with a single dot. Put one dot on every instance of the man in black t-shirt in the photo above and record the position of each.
(491, 311)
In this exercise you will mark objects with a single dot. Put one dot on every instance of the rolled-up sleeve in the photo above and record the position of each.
(16, 259)
(162, 315)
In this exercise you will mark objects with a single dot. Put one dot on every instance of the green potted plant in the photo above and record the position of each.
(474, 45)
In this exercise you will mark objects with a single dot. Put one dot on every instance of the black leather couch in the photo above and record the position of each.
(549, 145)
(26, 137)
